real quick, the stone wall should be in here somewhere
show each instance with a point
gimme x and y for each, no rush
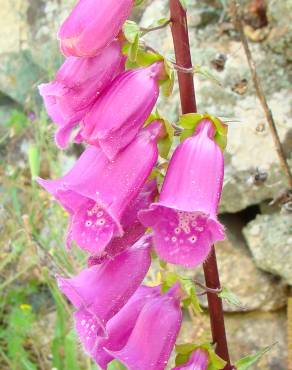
(255, 262)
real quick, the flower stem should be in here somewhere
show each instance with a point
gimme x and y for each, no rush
(180, 36)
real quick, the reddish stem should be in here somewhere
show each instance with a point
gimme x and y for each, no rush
(188, 104)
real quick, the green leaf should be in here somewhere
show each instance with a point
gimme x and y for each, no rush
(190, 289)
(131, 30)
(183, 4)
(133, 51)
(185, 348)
(164, 144)
(138, 2)
(70, 348)
(34, 161)
(167, 84)
(116, 365)
(181, 359)
(190, 120)
(247, 361)
(184, 352)
(230, 297)
(145, 58)
(204, 71)
(169, 279)
(215, 362)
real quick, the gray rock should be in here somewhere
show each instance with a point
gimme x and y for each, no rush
(269, 238)
(28, 45)
(250, 146)
(280, 37)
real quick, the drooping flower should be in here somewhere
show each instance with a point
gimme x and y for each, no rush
(96, 192)
(184, 219)
(198, 361)
(122, 109)
(100, 291)
(121, 325)
(92, 25)
(77, 85)
(133, 229)
(154, 335)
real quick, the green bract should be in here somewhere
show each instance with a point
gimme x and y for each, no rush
(184, 352)
(190, 121)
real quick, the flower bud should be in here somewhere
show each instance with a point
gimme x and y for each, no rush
(198, 361)
(92, 25)
(77, 86)
(120, 112)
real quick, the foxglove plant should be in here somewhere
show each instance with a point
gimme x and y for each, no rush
(100, 291)
(133, 229)
(120, 327)
(122, 109)
(154, 334)
(198, 361)
(77, 86)
(110, 192)
(184, 218)
(96, 206)
(92, 25)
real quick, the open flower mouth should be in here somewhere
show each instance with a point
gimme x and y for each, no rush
(92, 227)
(182, 237)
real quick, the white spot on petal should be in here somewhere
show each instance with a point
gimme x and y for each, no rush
(193, 239)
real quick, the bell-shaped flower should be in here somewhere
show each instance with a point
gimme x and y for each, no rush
(92, 25)
(153, 337)
(96, 192)
(77, 86)
(120, 112)
(133, 229)
(184, 219)
(100, 291)
(119, 328)
(198, 361)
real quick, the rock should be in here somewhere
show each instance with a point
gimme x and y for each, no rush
(28, 45)
(251, 134)
(19, 81)
(255, 289)
(269, 238)
(246, 334)
(280, 38)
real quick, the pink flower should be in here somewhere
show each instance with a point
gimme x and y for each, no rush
(122, 109)
(184, 219)
(153, 337)
(119, 328)
(92, 25)
(99, 292)
(133, 229)
(77, 86)
(198, 361)
(96, 192)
